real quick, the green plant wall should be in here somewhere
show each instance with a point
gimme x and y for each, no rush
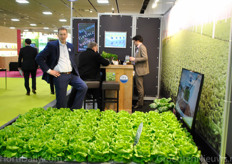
(196, 50)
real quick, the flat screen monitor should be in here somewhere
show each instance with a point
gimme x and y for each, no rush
(188, 96)
(86, 34)
(115, 39)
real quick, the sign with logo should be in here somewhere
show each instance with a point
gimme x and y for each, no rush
(124, 78)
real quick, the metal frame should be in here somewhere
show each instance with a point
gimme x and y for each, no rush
(227, 106)
(160, 57)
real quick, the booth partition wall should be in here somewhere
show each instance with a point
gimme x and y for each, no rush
(128, 25)
(149, 29)
(202, 45)
(84, 30)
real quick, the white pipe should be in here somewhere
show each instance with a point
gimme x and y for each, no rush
(71, 24)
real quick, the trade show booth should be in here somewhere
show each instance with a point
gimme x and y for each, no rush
(190, 84)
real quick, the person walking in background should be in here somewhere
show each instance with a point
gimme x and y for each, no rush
(27, 63)
(57, 63)
(89, 69)
(141, 67)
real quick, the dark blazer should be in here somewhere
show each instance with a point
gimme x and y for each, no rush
(26, 58)
(89, 64)
(49, 56)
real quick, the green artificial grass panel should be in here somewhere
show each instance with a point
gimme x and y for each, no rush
(14, 101)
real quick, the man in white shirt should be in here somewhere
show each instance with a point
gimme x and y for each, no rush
(58, 65)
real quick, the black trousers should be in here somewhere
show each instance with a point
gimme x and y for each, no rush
(26, 79)
(52, 87)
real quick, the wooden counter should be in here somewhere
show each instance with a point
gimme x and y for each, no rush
(126, 86)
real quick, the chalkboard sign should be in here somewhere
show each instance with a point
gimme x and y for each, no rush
(86, 33)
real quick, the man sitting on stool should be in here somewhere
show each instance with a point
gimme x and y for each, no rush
(89, 69)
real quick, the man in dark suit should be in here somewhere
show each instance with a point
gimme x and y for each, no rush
(141, 67)
(57, 63)
(89, 69)
(27, 63)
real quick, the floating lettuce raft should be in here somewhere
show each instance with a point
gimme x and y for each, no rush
(94, 136)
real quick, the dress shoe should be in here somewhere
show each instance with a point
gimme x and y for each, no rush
(33, 90)
(28, 93)
(137, 106)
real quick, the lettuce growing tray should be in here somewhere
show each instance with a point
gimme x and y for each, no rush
(91, 136)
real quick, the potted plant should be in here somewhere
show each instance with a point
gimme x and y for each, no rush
(109, 56)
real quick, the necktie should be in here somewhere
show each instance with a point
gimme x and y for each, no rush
(136, 49)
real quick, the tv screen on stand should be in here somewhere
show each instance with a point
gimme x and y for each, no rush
(115, 39)
(188, 96)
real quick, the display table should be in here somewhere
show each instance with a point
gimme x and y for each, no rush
(124, 75)
(5, 61)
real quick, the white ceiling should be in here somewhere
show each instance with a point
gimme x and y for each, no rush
(32, 12)
(163, 6)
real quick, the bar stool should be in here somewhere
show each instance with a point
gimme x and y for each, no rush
(110, 85)
(91, 85)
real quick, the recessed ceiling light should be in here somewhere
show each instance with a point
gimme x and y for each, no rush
(46, 28)
(33, 24)
(12, 27)
(22, 1)
(55, 30)
(62, 20)
(102, 1)
(90, 11)
(26, 30)
(47, 13)
(14, 19)
(154, 5)
(112, 8)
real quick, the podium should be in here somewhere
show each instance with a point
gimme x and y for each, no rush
(123, 75)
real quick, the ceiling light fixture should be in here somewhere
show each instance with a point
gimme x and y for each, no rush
(12, 27)
(15, 20)
(46, 28)
(112, 8)
(62, 20)
(22, 1)
(26, 30)
(72, 0)
(102, 1)
(47, 13)
(154, 5)
(32, 24)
